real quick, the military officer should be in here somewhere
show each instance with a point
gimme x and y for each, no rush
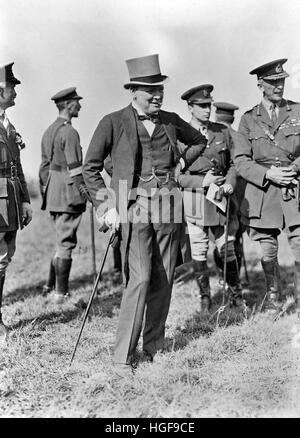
(269, 160)
(225, 114)
(141, 140)
(214, 166)
(15, 210)
(62, 186)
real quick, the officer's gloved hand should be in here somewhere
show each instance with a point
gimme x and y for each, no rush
(42, 189)
(110, 219)
(281, 175)
(210, 178)
(26, 213)
(177, 171)
(228, 189)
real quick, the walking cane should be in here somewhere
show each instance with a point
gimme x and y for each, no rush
(225, 254)
(111, 238)
(93, 241)
(244, 262)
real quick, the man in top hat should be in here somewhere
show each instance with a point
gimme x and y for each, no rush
(62, 187)
(225, 114)
(15, 210)
(141, 140)
(215, 166)
(268, 158)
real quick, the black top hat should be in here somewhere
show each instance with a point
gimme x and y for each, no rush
(199, 94)
(272, 70)
(6, 74)
(66, 94)
(144, 70)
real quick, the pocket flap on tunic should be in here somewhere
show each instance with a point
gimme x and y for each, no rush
(255, 135)
(3, 188)
(291, 131)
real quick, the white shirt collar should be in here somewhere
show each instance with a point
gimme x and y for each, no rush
(268, 105)
(195, 124)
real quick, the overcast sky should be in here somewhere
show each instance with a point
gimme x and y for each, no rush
(57, 44)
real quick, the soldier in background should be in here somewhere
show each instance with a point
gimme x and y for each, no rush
(214, 166)
(268, 158)
(62, 186)
(225, 114)
(15, 209)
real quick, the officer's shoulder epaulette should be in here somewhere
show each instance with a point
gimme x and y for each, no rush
(218, 126)
(254, 108)
(292, 106)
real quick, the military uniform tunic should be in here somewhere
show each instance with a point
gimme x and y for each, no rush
(13, 192)
(201, 214)
(60, 167)
(262, 146)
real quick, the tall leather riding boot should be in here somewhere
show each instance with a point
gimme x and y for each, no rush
(273, 284)
(297, 287)
(117, 258)
(202, 278)
(233, 280)
(51, 278)
(62, 273)
(3, 328)
(219, 264)
(238, 249)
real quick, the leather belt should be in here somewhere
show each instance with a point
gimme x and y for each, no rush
(277, 163)
(9, 172)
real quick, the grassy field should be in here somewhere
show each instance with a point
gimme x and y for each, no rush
(225, 365)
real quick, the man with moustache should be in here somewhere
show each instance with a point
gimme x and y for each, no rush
(268, 158)
(141, 140)
(213, 166)
(15, 209)
(63, 189)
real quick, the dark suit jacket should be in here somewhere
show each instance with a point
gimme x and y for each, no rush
(116, 135)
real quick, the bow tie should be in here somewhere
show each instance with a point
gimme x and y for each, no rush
(154, 118)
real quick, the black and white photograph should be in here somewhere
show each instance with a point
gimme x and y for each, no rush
(149, 211)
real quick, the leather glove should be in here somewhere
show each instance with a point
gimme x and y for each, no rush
(177, 171)
(110, 219)
(26, 213)
(228, 189)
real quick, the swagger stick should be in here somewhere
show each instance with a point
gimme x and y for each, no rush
(93, 242)
(244, 262)
(225, 253)
(111, 238)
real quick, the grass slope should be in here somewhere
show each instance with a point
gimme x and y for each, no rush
(225, 365)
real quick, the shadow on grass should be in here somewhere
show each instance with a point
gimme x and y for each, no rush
(108, 279)
(204, 325)
(101, 306)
